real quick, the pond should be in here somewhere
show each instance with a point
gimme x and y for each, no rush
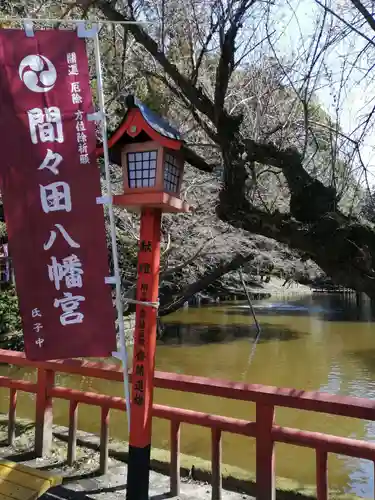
(318, 342)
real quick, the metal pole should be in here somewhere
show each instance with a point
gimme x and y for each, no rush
(119, 305)
(249, 302)
(255, 319)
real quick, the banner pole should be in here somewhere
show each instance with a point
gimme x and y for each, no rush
(119, 305)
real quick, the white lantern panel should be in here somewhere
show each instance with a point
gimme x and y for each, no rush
(142, 169)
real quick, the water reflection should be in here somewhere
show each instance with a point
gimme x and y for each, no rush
(312, 343)
(177, 335)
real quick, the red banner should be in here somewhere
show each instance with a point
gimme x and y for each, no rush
(50, 183)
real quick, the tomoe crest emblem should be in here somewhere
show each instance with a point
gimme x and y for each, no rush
(37, 73)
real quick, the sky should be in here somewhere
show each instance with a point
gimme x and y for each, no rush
(359, 94)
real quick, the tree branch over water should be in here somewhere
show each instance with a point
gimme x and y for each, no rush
(169, 305)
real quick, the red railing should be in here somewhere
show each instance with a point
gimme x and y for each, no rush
(264, 429)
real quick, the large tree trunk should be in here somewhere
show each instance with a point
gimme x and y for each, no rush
(342, 247)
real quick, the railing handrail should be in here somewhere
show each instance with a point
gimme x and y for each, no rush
(334, 444)
(347, 406)
(263, 428)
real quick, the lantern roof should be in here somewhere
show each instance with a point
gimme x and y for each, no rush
(141, 124)
(156, 122)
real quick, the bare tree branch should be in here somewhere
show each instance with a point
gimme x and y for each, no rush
(227, 57)
(365, 13)
(195, 95)
(207, 279)
(350, 26)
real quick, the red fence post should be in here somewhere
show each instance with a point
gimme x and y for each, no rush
(12, 416)
(265, 456)
(104, 438)
(216, 453)
(44, 417)
(321, 475)
(175, 459)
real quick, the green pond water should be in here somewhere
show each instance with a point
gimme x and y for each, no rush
(319, 342)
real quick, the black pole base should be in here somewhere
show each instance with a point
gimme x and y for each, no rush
(138, 473)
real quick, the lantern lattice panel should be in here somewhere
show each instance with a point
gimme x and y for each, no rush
(171, 174)
(142, 169)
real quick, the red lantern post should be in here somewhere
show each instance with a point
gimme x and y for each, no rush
(144, 355)
(149, 151)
